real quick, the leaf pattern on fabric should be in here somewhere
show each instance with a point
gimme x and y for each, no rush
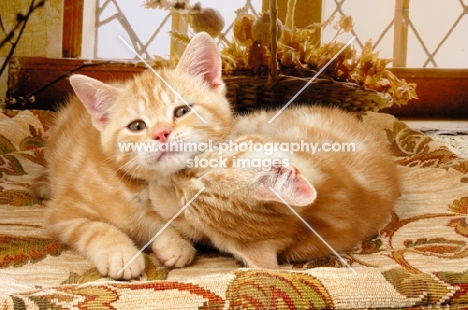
(428, 159)
(212, 300)
(460, 225)
(154, 272)
(414, 150)
(406, 141)
(460, 282)
(18, 198)
(114, 295)
(329, 261)
(10, 165)
(438, 247)
(462, 166)
(277, 290)
(36, 156)
(371, 246)
(87, 297)
(397, 223)
(89, 275)
(46, 118)
(34, 141)
(6, 147)
(10, 113)
(430, 290)
(460, 205)
(423, 249)
(19, 251)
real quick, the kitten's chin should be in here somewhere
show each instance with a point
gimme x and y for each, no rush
(168, 163)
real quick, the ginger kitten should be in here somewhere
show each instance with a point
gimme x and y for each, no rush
(345, 196)
(99, 202)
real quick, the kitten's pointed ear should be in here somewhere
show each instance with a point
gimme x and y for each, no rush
(288, 183)
(96, 96)
(202, 58)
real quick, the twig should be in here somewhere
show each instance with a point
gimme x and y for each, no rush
(22, 21)
(273, 43)
(290, 15)
(29, 97)
(8, 36)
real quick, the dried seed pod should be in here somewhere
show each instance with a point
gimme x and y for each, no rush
(261, 29)
(345, 23)
(157, 4)
(207, 20)
(400, 90)
(257, 53)
(165, 4)
(287, 36)
(287, 58)
(242, 28)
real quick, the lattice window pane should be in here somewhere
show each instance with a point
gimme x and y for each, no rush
(135, 24)
(437, 29)
(373, 19)
(438, 35)
(148, 29)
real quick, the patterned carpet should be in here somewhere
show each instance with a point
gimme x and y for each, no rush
(457, 144)
(454, 134)
(419, 259)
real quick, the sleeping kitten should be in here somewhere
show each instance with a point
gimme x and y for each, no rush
(345, 196)
(99, 193)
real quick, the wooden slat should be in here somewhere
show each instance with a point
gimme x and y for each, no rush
(72, 28)
(179, 24)
(442, 92)
(29, 75)
(307, 12)
(400, 37)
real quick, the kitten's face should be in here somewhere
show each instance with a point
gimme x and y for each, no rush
(149, 114)
(153, 124)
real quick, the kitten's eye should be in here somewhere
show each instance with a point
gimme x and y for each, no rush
(181, 111)
(137, 125)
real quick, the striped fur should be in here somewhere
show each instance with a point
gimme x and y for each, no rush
(99, 200)
(346, 197)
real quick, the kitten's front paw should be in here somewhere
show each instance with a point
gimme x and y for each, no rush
(111, 263)
(173, 250)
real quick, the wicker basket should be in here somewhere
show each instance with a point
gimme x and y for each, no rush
(248, 93)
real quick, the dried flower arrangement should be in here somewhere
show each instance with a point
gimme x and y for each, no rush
(362, 82)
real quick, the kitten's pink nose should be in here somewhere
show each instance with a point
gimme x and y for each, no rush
(161, 134)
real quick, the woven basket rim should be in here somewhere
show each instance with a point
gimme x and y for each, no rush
(250, 91)
(289, 79)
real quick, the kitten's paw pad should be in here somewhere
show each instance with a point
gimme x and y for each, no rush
(112, 263)
(173, 252)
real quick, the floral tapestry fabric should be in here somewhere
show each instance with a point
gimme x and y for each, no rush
(419, 259)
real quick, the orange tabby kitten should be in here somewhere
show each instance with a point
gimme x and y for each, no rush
(345, 193)
(99, 193)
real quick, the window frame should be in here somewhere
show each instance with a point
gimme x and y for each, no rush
(442, 92)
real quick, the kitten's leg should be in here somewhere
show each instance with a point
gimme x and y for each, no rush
(173, 250)
(256, 255)
(103, 244)
(170, 247)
